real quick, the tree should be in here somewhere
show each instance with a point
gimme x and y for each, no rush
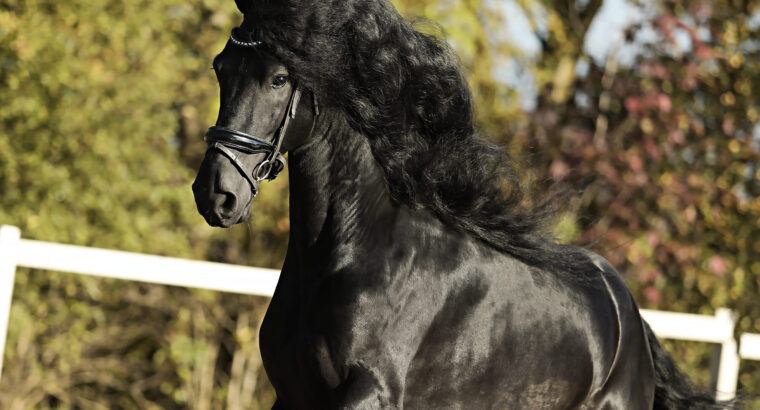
(664, 156)
(97, 148)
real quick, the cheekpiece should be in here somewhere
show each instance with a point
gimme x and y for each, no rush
(238, 42)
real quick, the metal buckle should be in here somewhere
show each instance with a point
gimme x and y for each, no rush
(262, 170)
(277, 167)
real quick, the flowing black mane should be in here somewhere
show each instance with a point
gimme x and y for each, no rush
(405, 91)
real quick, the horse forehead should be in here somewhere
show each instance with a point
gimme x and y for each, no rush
(244, 83)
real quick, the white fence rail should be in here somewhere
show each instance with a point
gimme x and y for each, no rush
(17, 252)
(718, 329)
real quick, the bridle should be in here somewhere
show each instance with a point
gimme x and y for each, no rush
(226, 140)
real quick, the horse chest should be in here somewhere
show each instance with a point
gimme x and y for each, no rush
(308, 335)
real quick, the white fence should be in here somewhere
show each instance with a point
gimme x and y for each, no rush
(15, 252)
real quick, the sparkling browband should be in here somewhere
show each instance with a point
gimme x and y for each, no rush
(251, 44)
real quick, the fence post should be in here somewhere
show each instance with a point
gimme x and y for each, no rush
(9, 239)
(728, 368)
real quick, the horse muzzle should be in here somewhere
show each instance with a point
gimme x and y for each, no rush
(222, 197)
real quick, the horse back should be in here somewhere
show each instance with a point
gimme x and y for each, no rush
(509, 335)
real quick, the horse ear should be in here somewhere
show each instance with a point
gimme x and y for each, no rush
(243, 5)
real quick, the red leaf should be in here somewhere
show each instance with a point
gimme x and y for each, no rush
(653, 294)
(559, 169)
(718, 265)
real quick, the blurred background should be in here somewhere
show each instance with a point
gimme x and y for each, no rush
(646, 110)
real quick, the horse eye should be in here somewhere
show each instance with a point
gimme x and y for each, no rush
(280, 81)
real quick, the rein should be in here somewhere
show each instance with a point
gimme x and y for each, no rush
(226, 140)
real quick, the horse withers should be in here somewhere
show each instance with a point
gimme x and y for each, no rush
(417, 275)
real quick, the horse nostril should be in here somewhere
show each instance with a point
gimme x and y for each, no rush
(228, 205)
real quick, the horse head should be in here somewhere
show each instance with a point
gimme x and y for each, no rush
(261, 116)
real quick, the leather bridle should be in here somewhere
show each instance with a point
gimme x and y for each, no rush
(226, 140)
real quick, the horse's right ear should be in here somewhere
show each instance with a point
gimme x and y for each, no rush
(243, 5)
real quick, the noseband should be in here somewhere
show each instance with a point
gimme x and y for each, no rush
(226, 140)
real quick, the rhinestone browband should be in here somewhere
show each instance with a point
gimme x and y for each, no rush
(241, 43)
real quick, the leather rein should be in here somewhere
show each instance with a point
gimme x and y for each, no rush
(226, 140)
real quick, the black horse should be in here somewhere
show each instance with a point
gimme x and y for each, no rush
(418, 273)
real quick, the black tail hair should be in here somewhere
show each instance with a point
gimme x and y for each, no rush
(673, 390)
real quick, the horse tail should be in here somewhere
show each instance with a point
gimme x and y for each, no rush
(673, 390)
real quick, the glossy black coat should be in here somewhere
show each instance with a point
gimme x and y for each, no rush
(383, 306)
(380, 306)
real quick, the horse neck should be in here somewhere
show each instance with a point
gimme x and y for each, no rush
(338, 195)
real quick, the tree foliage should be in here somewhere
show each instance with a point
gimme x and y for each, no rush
(663, 153)
(103, 108)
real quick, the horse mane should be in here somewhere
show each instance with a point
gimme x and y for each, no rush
(405, 91)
